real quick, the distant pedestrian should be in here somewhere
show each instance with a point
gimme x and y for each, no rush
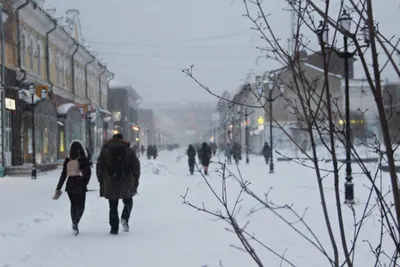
(118, 172)
(228, 153)
(76, 169)
(155, 152)
(266, 152)
(191, 153)
(205, 155)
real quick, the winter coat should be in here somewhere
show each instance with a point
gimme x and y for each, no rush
(123, 188)
(237, 151)
(155, 151)
(205, 155)
(228, 151)
(266, 150)
(191, 153)
(149, 151)
(76, 184)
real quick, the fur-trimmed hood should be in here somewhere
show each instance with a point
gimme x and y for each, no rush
(81, 144)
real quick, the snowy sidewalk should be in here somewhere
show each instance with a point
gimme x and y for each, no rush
(37, 230)
(21, 197)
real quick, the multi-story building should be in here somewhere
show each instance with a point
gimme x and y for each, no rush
(123, 101)
(50, 53)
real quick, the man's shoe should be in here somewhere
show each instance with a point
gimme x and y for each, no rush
(114, 232)
(125, 225)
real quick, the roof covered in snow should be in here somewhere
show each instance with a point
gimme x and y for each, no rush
(115, 84)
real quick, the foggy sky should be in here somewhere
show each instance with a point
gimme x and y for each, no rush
(148, 42)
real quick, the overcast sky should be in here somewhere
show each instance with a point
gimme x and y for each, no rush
(148, 42)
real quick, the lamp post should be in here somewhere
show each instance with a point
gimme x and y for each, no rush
(43, 96)
(239, 109)
(246, 115)
(270, 84)
(322, 32)
(89, 128)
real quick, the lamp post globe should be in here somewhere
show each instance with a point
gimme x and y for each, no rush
(345, 21)
(260, 90)
(43, 94)
(322, 32)
(31, 89)
(21, 94)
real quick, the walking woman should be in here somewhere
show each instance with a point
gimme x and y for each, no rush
(77, 172)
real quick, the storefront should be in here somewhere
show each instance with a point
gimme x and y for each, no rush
(108, 128)
(11, 119)
(70, 127)
(45, 126)
(13, 153)
(100, 129)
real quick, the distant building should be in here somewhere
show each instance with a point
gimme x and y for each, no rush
(123, 102)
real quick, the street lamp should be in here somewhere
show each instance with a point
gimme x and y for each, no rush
(270, 84)
(89, 127)
(322, 32)
(43, 96)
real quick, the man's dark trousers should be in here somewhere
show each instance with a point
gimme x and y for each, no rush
(126, 213)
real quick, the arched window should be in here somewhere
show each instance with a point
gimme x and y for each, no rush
(83, 81)
(31, 51)
(23, 49)
(67, 70)
(39, 57)
(76, 80)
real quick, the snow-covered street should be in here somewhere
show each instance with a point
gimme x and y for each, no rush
(36, 231)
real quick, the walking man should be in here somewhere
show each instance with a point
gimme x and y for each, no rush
(118, 172)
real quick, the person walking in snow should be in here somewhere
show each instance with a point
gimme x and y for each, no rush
(205, 155)
(228, 153)
(237, 152)
(266, 152)
(77, 172)
(149, 151)
(118, 172)
(191, 153)
(155, 152)
(142, 149)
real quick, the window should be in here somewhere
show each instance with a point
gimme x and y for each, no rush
(39, 58)
(63, 68)
(83, 81)
(58, 68)
(23, 49)
(31, 53)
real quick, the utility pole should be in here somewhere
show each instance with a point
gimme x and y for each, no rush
(246, 115)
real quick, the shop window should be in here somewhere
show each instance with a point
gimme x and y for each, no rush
(62, 144)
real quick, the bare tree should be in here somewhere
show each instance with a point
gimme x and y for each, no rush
(316, 106)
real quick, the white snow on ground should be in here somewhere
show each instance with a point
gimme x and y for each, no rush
(35, 230)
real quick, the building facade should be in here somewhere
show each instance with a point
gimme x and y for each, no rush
(50, 54)
(147, 127)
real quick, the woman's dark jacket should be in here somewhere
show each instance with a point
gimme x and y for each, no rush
(205, 155)
(76, 184)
